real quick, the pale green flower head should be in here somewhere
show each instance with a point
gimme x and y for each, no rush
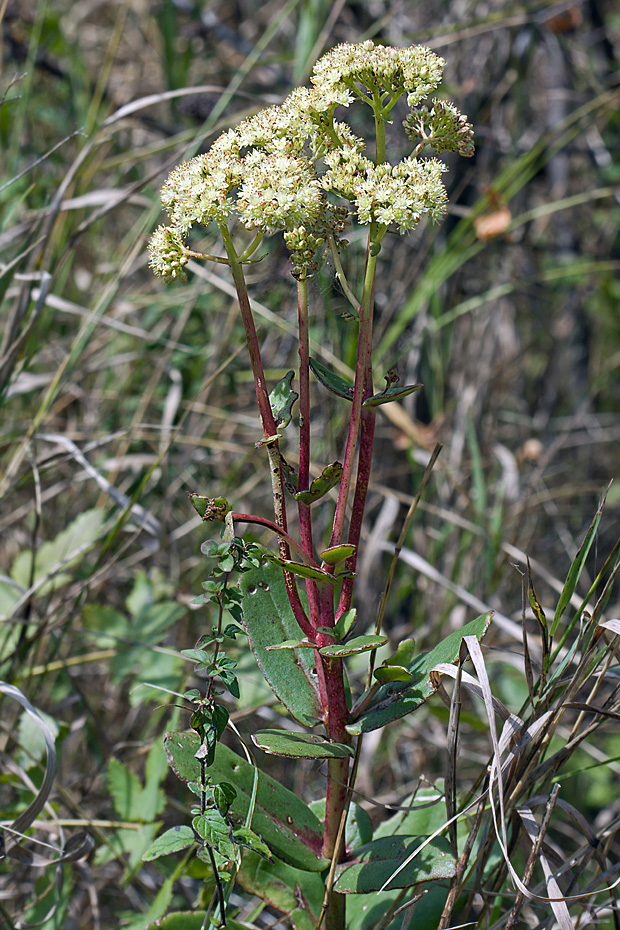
(198, 190)
(168, 255)
(281, 169)
(390, 195)
(415, 71)
(443, 127)
(278, 191)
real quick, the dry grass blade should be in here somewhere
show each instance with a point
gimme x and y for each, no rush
(26, 818)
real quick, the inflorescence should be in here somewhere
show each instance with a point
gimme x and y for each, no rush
(276, 170)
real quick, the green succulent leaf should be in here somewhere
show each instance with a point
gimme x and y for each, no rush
(302, 570)
(392, 673)
(354, 646)
(336, 554)
(329, 478)
(299, 745)
(395, 699)
(342, 627)
(391, 394)
(287, 825)
(334, 383)
(269, 621)
(375, 863)
(282, 399)
(299, 894)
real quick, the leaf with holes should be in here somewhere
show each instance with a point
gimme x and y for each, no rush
(329, 478)
(269, 621)
(287, 825)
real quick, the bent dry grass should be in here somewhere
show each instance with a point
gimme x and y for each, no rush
(132, 377)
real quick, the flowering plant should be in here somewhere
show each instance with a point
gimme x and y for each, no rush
(296, 169)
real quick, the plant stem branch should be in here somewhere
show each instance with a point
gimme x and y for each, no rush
(305, 517)
(266, 414)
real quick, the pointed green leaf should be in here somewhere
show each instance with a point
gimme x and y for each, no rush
(293, 644)
(282, 399)
(344, 623)
(376, 862)
(334, 383)
(575, 571)
(391, 394)
(280, 818)
(269, 621)
(250, 840)
(353, 646)
(215, 831)
(171, 841)
(299, 745)
(187, 920)
(329, 478)
(302, 570)
(396, 699)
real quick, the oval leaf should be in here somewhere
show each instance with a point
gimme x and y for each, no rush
(299, 745)
(280, 818)
(171, 841)
(336, 554)
(269, 621)
(376, 862)
(354, 646)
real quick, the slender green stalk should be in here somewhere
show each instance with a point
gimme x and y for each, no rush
(305, 517)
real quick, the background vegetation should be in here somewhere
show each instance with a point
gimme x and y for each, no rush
(118, 394)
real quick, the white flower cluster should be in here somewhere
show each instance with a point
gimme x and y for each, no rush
(416, 71)
(275, 170)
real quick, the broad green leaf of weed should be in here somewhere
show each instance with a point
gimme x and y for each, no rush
(52, 899)
(56, 554)
(132, 800)
(128, 845)
(157, 909)
(107, 623)
(31, 739)
(173, 840)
